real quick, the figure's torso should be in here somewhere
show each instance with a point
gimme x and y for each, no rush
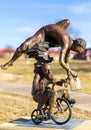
(57, 33)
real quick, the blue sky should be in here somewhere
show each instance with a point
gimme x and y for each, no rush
(20, 19)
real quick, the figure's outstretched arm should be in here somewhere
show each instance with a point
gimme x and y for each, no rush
(63, 61)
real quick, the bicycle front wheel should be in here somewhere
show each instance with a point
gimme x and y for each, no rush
(61, 112)
(36, 116)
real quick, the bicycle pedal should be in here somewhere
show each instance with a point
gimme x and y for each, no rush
(72, 101)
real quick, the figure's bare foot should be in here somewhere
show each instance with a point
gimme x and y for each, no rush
(5, 66)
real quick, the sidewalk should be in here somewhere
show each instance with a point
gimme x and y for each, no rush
(24, 123)
(86, 125)
(83, 101)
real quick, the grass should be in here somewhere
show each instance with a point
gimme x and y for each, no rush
(23, 73)
(13, 106)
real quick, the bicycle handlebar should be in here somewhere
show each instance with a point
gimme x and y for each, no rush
(59, 83)
(62, 82)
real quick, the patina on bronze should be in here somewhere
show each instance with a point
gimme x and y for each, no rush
(55, 35)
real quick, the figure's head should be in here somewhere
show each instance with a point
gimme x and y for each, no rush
(79, 45)
(45, 68)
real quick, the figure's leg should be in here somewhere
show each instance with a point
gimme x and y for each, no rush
(63, 23)
(51, 103)
(52, 99)
(29, 43)
(40, 104)
(38, 98)
(66, 95)
(43, 98)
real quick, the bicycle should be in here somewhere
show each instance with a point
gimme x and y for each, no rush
(62, 111)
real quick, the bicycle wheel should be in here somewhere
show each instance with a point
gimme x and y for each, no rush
(36, 116)
(61, 112)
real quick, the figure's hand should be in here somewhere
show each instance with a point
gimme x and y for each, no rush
(73, 73)
(60, 82)
(5, 66)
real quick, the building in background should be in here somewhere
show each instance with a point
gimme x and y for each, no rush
(54, 52)
(84, 56)
(6, 52)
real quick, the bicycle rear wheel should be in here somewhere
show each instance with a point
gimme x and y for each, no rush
(61, 112)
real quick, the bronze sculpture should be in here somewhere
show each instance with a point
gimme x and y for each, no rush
(55, 35)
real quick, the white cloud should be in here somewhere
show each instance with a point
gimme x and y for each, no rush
(26, 30)
(83, 8)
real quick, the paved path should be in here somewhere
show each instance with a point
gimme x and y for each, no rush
(83, 101)
(27, 123)
(24, 123)
(15, 88)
